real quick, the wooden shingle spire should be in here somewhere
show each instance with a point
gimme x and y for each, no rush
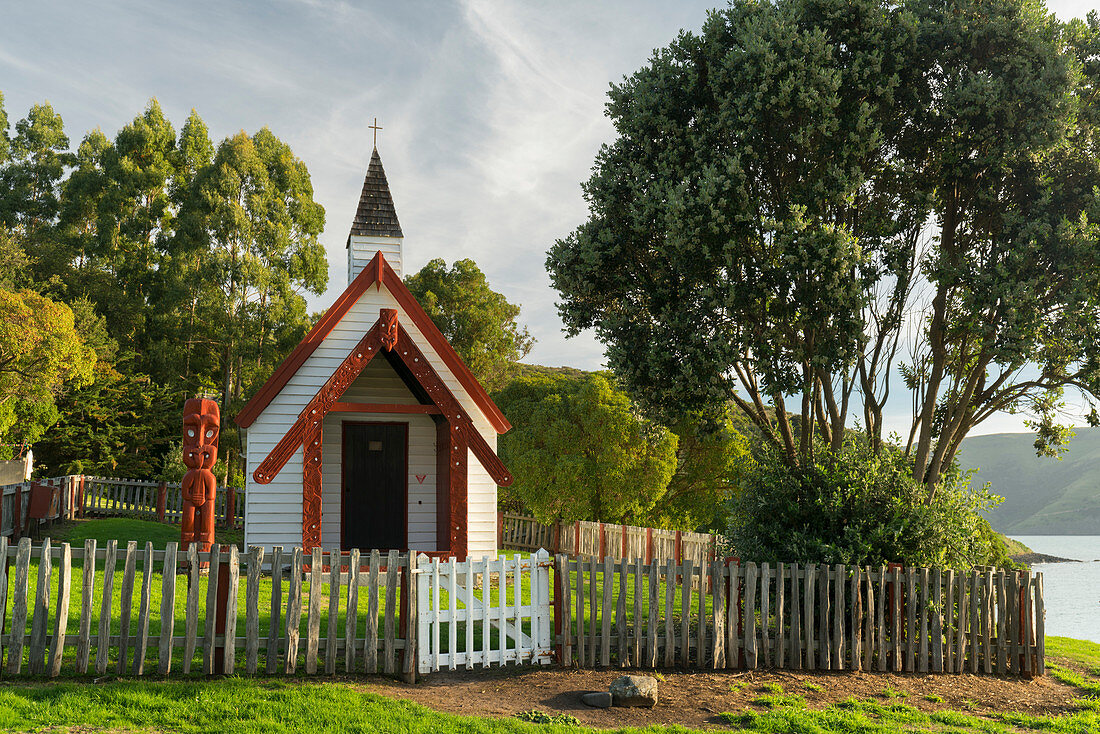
(375, 216)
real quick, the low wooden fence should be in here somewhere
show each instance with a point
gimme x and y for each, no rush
(801, 617)
(140, 610)
(599, 540)
(168, 624)
(18, 515)
(161, 501)
(81, 495)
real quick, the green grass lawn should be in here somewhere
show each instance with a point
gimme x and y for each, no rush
(239, 705)
(124, 528)
(230, 706)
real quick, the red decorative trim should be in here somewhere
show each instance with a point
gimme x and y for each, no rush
(444, 349)
(381, 273)
(311, 488)
(388, 320)
(384, 408)
(327, 397)
(324, 326)
(460, 421)
(321, 404)
(458, 495)
(442, 487)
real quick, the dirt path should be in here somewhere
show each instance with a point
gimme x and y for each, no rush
(695, 699)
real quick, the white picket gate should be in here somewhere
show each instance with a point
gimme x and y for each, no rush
(474, 612)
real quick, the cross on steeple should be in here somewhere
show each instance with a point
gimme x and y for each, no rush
(376, 127)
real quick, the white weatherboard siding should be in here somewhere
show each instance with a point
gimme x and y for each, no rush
(274, 515)
(361, 250)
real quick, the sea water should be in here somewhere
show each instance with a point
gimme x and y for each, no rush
(1072, 590)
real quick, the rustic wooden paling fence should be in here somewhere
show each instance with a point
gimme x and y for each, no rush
(81, 495)
(598, 540)
(161, 501)
(799, 617)
(279, 610)
(424, 615)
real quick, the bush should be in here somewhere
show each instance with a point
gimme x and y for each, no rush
(859, 508)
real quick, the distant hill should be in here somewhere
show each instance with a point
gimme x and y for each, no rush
(1042, 496)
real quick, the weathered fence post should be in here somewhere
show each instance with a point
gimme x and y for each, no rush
(222, 599)
(162, 500)
(230, 507)
(17, 514)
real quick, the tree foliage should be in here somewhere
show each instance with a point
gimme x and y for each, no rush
(579, 451)
(811, 197)
(859, 507)
(184, 264)
(711, 461)
(478, 322)
(40, 353)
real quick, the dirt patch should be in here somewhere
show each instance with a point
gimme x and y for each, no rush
(695, 699)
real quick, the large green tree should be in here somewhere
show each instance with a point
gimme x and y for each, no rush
(252, 222)
(479, 322)
(803, 187)
(579, 451)
(184, 272)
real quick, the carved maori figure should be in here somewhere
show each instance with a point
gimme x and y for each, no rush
(388, 319)
(201, 425)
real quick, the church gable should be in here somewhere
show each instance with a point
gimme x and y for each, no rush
(344, 324)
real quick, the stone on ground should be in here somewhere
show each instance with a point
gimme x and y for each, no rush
(635, 690)
(597, 699)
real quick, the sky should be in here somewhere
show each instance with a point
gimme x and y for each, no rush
(492, 111)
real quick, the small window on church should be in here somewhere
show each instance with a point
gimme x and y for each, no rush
(374, 446)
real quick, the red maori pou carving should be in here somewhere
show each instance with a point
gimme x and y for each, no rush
(387, 317)
(201, 425)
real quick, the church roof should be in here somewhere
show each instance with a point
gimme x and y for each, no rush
(375, 216)
(377, 272)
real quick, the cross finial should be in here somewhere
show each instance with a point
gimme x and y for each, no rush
(376, 128)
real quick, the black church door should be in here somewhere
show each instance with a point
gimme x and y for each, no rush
(375, 492)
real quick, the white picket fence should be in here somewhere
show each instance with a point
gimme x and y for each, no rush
(483, 612)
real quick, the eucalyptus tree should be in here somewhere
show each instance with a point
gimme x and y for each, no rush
(252, 220)
(811, 197)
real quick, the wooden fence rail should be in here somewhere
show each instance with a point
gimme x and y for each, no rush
(139, 610)
(80, 495)
(598, 540)
(135, 609)
(162, 501)
(801, 617)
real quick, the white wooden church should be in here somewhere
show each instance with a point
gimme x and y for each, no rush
(373, 433)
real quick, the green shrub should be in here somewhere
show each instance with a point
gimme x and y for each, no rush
(862, 508)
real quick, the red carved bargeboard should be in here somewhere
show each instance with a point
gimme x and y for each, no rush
(311, 489)
(314, 412)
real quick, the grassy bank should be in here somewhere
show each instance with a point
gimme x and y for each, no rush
(237, 705)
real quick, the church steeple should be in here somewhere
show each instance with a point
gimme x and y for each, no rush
(376, 216)
(375, 226)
